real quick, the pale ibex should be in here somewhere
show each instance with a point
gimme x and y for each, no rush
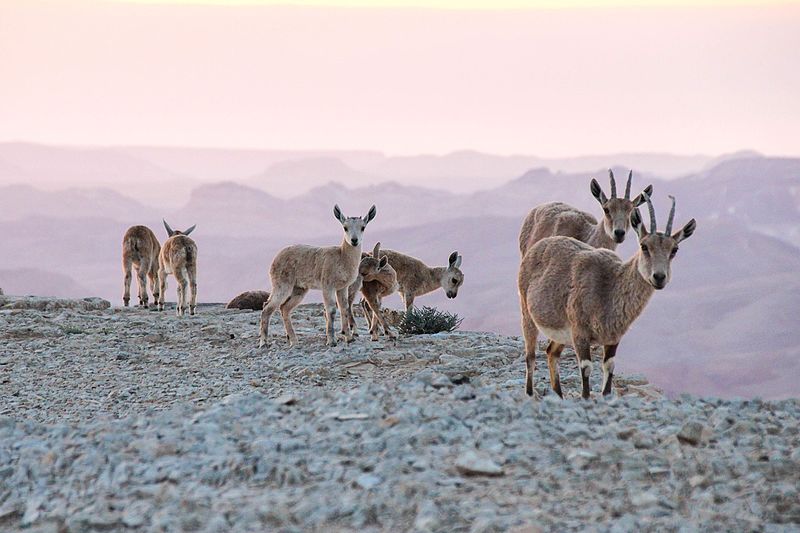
(140, 249)
(556, 218)
(179, 257)
(415, 278)
(332, 269)
(376, 280)
(579, 295)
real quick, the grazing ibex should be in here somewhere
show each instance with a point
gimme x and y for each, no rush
(578, 295)
(140, 249)
(376, 280)
(331, 269)
(415, 278)
(179, 257)
(556, 218)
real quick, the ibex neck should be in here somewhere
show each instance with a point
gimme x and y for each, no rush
(349, 251)
(434, 280)
(599, 238)
(633, 291)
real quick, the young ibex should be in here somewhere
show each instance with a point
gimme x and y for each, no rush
(376, 280)
(332, 269)
(178, 257)
(579, 295)
(415, 278)
(556, 218)
(140, 249)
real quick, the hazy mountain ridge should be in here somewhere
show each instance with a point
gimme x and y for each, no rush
(733, 287)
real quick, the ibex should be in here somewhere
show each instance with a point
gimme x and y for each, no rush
(179, 257)
(140, 249)
(332, 269)
(579, 295)
(376, 280)
(556, 218)
(415, 278)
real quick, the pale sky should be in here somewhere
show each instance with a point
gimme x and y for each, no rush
(531, 76)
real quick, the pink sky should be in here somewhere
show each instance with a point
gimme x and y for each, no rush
(545, 82)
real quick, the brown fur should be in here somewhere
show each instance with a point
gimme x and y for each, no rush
(253, 300)
(376, 280)
(415, 278)
(567, 284)
(179, 258)
(140, 249)
(557, 218)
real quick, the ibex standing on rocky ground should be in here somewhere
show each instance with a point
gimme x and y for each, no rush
(179, 257)
(331, 269)
(376, 280)
(579, 295)
(556, 218)
(140, 250)
(415, 278)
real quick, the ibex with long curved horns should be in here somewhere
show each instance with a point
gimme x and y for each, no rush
(579, 295)
(557, 218)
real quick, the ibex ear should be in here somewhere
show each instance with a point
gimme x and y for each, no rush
(372, 212)
(384, 261)
(188, 231)
(337, 213)
(637, 224)
(170, 231)
(458, 262)
(377, 250)
(685, 232)
(597, 192)
(639, 200)
(452, 259)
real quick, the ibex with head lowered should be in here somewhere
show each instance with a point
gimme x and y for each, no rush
(331, 269)
(556, 218)
(579, 295)
(179, 257)
(415, 278)
(140, 249)
(376, 280)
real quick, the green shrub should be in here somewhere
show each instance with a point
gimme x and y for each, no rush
(428, 320)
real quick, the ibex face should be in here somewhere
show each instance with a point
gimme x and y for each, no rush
(617, 211)
(452, 278)
(353, 226)
(371, 265)
(657, 250)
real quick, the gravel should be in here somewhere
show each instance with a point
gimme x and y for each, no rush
(140, 421)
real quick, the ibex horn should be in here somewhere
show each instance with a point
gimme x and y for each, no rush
(671, 216)
(628, 186)
(613, 183)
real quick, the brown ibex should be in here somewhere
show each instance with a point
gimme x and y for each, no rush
(179, 257)
(579, 295)
(415, 278)
(140, 249)
(556, 218)
(331, 269)
(376, 280)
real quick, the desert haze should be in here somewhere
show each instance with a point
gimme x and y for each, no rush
(726, 325)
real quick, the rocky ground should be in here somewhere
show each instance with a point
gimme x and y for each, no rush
(129, 419)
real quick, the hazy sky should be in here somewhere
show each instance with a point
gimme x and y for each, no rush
(595, 77)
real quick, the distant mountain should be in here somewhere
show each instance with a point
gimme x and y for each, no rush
(23, 200)
(55, 167)
(34, 281)
(282, 178)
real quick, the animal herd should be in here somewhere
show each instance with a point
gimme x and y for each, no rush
(573, 288)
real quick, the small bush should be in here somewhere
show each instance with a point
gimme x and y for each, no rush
(428, 320)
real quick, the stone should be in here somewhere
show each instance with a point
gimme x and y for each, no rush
(691, 433)
(474, 463)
